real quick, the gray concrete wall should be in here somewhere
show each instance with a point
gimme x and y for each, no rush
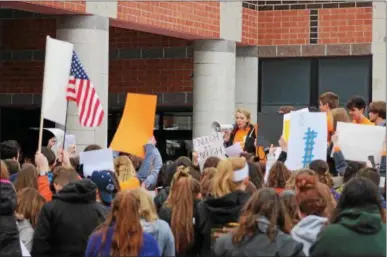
(246, 81)
(379, 66)
(90, 36)
(214, 84)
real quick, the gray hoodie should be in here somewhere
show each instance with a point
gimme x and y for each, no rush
(161, 231)
(307, 230)
(26, 233)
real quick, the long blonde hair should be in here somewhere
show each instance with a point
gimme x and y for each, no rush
(147, 206)
(222, 183)
(124, 168)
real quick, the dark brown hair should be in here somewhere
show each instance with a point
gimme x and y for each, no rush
(264, 203)
(322, 170)
(27, 177)
(181, 201)
(124, 217)
(64, 175)
(331, 99)
(211, 162)
(359, 192)
(13, 166)
(92, 147)
(309, 195)
(278, 176)
(286, 109)
(29, 204)
(378, 107)
(370, 173)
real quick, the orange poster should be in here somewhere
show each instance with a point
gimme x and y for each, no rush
(136, 125)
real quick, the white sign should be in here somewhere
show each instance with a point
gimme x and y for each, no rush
(208, 146)
(307, 140)
(358, 142)
(235, 150)
(56, 78)
(96, 160)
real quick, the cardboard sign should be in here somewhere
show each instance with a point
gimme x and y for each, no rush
(208, 146)
(136, 125)
(96, 160)
(308, 139)
(358, 142)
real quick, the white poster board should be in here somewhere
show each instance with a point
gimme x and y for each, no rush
(208, 146)
(234, 150)
(96, 160)
(357, 142)
(308, 140)
(286, 123)
(57, 66)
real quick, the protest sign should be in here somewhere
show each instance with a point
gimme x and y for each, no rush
(207, 146)
(359, 142)
(308, 139)
(96, 160)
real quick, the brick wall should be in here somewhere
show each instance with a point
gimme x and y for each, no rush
(22, 54)
(77, 6)
(283, 27)
(139, 62)
(149, 63)
(309, 28)
(250, 27)
(345, 25)
(197, 19)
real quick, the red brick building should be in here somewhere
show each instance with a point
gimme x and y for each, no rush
(202, 59)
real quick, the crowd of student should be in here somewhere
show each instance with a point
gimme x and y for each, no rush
(251, 205)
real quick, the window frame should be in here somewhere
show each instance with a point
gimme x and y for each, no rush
(314, 75)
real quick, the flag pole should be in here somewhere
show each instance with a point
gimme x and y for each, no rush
(65, 125)
(41, 130)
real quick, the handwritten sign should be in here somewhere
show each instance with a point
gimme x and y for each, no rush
(208, 146)
(308, 139)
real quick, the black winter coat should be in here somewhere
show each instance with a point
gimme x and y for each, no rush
(65, 224)
(217, 213)
(9, 233)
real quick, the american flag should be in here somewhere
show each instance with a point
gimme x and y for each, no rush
(81, 90)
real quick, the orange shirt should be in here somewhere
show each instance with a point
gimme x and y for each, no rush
(330, 125)
(131, 183)
(44, 187)
(364, 121)
(240, 136)
(330, 122)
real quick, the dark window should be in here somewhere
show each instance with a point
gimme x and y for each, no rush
(284, 82)
(345, 76)
(299, 81)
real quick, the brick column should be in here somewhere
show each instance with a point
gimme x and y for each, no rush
(246, 84)
(214, 84)
(90, 36)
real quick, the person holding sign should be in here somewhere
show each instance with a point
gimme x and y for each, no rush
(244, 133)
